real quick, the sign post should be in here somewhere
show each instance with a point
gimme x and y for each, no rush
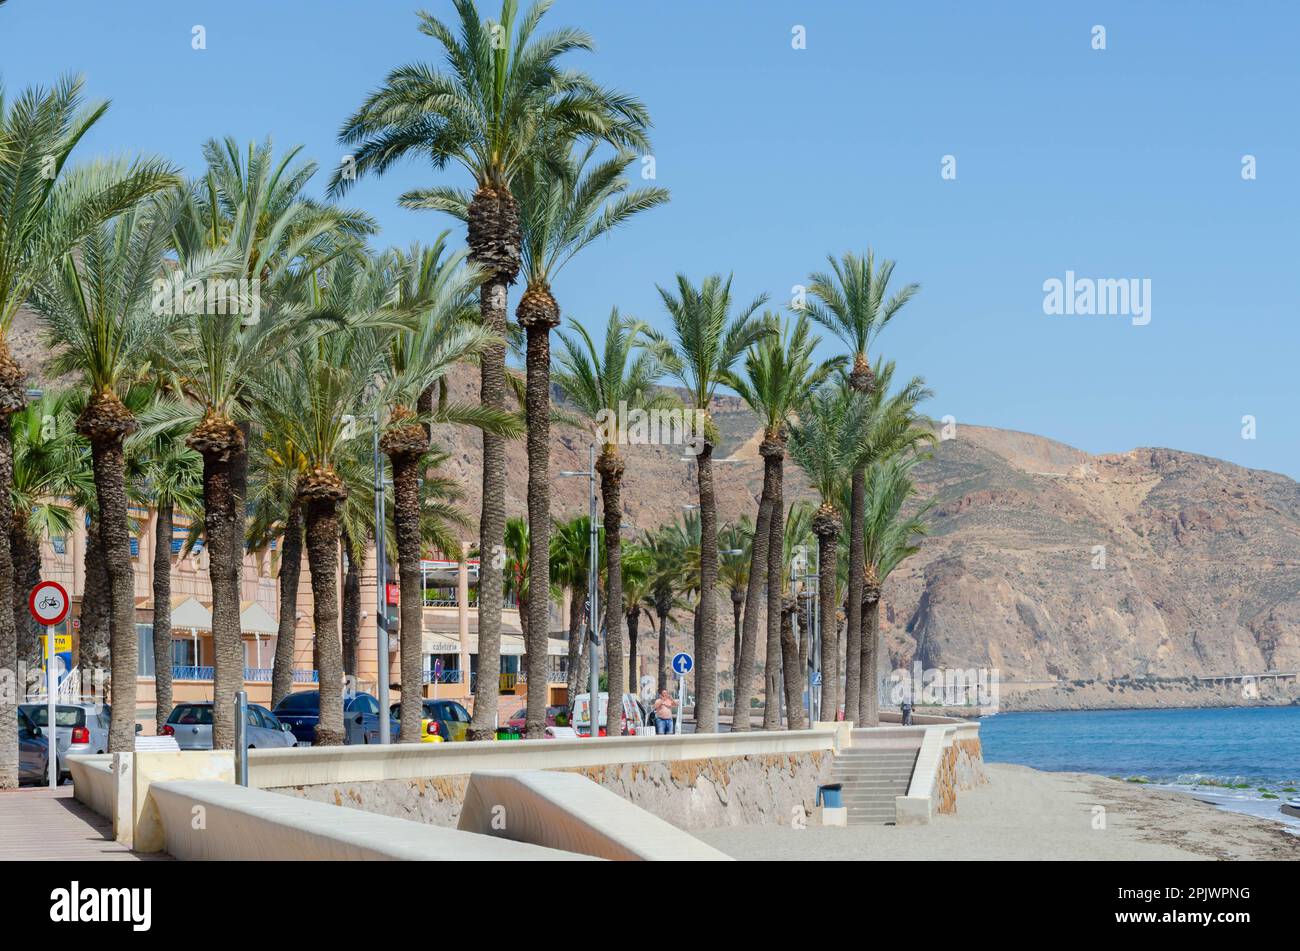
(48, 604)
(682, 664)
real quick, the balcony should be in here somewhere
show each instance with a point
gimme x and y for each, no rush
(251, 675)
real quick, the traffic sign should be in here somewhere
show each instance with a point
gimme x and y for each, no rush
(48, 603)
(682, 663)
(817, 678)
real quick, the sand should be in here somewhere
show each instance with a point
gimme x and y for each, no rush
(1024, 814)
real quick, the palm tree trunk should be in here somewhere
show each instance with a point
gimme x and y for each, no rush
(323, 561)
(286, 630)
(225, 477)
(706, 649)
(610, 467)
(753, 600)
(737, 608)
(573, 683)
(94, 609)
(109, 462)
(633, 624)
(662, 676)
(853, 610)
(162, 614)
(492, 519)
(869, 714)
(793, 673)
(805, 624)
(772, 456)
(351, 612)
(826, 526)
(8, 633)
(406, 525)
(537, 404)
(26, 551)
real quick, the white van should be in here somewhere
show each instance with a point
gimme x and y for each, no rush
(633, 714)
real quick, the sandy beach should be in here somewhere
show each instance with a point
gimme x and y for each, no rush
(1024, 814)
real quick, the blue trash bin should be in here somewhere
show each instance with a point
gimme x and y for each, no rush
(829, 796)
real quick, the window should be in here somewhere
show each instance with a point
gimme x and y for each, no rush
(306, 700)
(186, 652)
(192, 714)
(135, 548)
(144, 650)
(63, 716)
(60, 544)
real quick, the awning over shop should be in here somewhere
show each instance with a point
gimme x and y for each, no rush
(189, 613)
(255, 619)
(439, 642)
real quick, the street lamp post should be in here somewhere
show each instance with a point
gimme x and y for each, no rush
(381, 593)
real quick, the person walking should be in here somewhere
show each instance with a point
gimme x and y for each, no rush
(663, 709)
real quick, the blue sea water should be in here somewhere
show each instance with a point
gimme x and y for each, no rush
(1237, 757)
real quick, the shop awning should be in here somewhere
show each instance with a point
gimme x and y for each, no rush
(255, 619)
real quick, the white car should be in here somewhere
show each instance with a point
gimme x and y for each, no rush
(633, 714)
(81, 728)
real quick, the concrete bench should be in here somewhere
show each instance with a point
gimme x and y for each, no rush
(156, 744)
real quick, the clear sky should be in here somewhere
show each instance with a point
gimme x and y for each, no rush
(1116, 163)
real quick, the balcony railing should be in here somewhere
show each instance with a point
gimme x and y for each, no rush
(257, 675)
(442, 677)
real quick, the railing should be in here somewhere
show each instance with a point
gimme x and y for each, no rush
(256, 675)
(554, 675)
(508, 681)
(306, 676)
(191, 673)
(446, 602)
(442, 677)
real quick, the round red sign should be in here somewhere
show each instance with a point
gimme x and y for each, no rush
(49, 603)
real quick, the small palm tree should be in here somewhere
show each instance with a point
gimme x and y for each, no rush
(516, 572)
(46, 209)
(778, 374)
(853, 302)
(823, 444)
(597, 381)
(637, 564)
(96, 307)
(667, 576)
(735, 554)
(501, 106)
(570, 566)
(709, 338)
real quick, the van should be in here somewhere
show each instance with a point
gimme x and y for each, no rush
(633, 714)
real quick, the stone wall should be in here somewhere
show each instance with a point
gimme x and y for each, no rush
(764, 789)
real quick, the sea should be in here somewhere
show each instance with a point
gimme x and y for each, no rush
(1244, 759)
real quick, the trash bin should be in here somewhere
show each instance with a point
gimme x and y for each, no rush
(504, 734)
(829, 796)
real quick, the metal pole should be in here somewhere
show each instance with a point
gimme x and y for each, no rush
(381, 599)
(51, 685)
(593, 595)
(241, 737)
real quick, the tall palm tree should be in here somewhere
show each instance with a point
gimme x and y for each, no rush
(570, 560)
(96, 306)
(853, 302)
(735, 540)
(46, 209)
(891, 539)
(502, 104)
(709, 338)
(778, 374)
(597, 381)
(823, 444)
(798, 535)
(564, 207)
(517, 576)
(173, 476)
(637, 564)
(435, 290)
(249, 218)
(51, 466)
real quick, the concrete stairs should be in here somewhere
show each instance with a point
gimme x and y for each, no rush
(870, 779)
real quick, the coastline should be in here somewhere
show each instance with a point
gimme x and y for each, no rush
(1139, 695)
(1023, 814)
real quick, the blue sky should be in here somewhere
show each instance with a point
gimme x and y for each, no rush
(1122, 163)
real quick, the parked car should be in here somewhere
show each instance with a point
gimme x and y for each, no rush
(301, 711)
(443, 721)
(79, 728)
(631, 714)
(33, 751)
(191, 725)
(555, 716)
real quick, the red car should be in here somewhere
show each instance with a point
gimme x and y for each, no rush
(517, 721)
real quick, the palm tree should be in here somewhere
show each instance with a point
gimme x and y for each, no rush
(51, 465)
(852, 303)
(436, 290)
(96, 307)
(570, 560)
(504, 103)
(563, 209)
(638, 575)
(823, 443)
(596, 381)
(709, 339)
(173, 476)
(891, 539)
(249, 219)
(736, 540)
(46, 209)
(798, 535)
(777, 377)
(517, 576)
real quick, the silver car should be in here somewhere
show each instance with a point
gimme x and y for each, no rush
(81, 728)
(191, 725)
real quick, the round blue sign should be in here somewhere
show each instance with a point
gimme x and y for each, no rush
(682, 663)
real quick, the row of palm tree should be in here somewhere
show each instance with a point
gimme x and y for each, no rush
(270, 405)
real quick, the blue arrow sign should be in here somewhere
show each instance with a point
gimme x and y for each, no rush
(817, 678)
(682, 663)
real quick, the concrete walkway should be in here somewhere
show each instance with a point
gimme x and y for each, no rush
(44, 824)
